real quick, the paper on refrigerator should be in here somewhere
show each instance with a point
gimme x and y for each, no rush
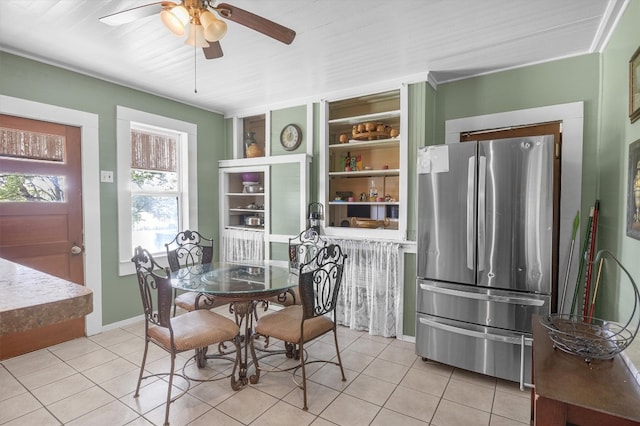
(433, 159)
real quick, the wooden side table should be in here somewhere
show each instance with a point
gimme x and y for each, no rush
(568, 390)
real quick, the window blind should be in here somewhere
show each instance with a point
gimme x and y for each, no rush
(152, 151)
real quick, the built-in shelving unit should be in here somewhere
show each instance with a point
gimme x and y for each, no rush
(366, 166)
(244, 197)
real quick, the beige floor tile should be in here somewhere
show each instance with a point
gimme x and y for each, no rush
(140, 421)
(9, 386)
(31, 363)
(44, 377)
(390, 418)
(153, 354)
(512, 407)
(370, 389)
(433, 367)
(112, 414)
(386, 370)
(74, 348)
(276, 384)
(451, 414)
(329, 375)
(318, 397)
(247, 404)
(284, 414)
(513, 388)
(475, 378)
(124, 384)
(469, 394)
(40, 417)
(381, 339)
(181, 412)
(62, 389)
(350, 411)
(106, 371)
(321, 350)
(92, 359)
(427, 382)
(134, 344)
(319, 421)
(503, 421)
(404, 344)
(367, 347)
(215, 417)
(387, 384)
(80, 404)
(213, 393)
(412, 403)
(110, 338)
(152, 395)
(17, 406)
(398, 355)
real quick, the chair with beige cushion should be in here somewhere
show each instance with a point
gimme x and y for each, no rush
(318, 284)
(191, 249)
(194, 330)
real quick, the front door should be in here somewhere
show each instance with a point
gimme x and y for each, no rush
(41, 206)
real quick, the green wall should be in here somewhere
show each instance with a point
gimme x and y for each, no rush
(27, 79)
(616, 133)
(598, 80)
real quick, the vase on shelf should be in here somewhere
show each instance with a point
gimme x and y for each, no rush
(251, 148)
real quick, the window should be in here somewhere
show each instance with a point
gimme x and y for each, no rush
(44, 151)
(157, 194)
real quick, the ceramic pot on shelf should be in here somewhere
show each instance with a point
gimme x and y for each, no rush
(251, 148)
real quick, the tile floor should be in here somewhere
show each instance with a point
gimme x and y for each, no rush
(90, 381)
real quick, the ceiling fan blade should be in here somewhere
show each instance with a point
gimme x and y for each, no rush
(255, 22)
(213, 51)
(130, 15)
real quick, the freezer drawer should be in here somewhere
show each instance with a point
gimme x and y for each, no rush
(488, 307)
(485, 350)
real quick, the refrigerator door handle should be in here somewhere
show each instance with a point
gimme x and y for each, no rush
(482, 185)
(471, 177)
(483, 296)
(514, 340)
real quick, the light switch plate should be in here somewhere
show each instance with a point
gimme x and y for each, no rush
(106, 176)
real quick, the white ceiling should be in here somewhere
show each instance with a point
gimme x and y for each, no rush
(341, 45)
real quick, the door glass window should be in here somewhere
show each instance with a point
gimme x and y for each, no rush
(20, 146)
(29, 188)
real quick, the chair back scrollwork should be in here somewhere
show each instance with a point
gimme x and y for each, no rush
(189, 249)
(320, 281)
(153, 278)
(303, 248)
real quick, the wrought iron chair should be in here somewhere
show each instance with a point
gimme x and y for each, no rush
(190, 249)
(302, 248)
(193, 330)
(319, 284)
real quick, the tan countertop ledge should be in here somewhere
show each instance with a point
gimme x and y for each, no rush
(30, 299)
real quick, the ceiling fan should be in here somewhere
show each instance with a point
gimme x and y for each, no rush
(204, 28)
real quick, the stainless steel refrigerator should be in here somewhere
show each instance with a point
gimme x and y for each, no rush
(484, 252)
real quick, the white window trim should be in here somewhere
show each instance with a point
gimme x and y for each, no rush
(126, 116)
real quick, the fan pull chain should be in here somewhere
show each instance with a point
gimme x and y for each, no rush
(195, 70)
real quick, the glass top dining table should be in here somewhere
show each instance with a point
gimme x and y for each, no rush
(246, 285)
(237, 280)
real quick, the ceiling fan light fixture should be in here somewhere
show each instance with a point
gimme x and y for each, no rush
(175, 19)
(196, 36)
(214, 28)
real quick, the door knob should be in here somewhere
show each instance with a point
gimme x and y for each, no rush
(75, 250)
